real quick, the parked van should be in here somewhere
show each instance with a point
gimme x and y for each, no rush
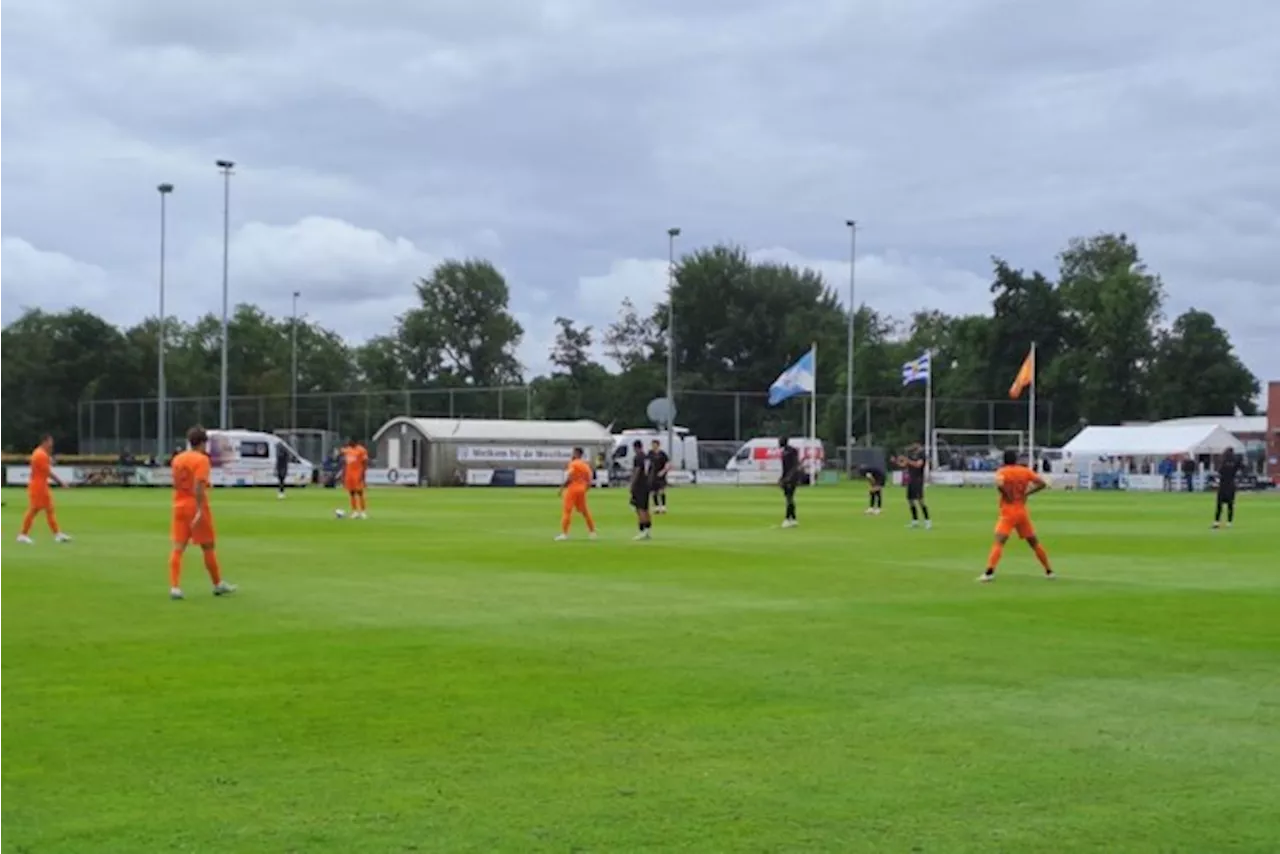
(683, 458)
(248, 458)
(764, 455)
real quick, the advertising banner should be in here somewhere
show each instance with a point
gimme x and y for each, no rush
(391, 477)
(515, 454)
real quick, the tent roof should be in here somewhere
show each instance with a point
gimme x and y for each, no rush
(1151, 440)
(1231, 423)
(502, 430)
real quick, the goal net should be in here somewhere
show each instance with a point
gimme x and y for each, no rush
(973, 450)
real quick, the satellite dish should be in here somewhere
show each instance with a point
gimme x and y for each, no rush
(661, 411)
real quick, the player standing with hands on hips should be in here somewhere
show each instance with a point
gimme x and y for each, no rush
(1227, 471)
(791, 474)
(913, 469)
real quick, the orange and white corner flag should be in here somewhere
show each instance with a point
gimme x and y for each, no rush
(1026, 375)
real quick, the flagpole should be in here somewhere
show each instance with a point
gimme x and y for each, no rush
(928, 410)
(813, 408)
(1031, 413)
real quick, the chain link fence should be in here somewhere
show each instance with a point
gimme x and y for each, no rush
(114, 426)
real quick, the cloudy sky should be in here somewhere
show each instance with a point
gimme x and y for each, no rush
(561, 138)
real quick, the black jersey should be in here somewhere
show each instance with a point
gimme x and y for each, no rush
(658, 462)
(1227, 473)
(915, 468)
(790, 466)
(875, 476)
(640, 471)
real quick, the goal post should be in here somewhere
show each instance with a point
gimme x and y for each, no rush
(949, 443)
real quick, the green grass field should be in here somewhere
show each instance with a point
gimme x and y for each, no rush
(445, 678)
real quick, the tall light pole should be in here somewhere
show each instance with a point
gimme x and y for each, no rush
(225, 166)
(293, 395)
(852, 225)
(162, 397)
(672, 234)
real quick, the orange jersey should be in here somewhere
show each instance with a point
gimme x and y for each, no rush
(190, 468)
(41, 468)
(355, 460)
(1013, 483)
(579, 476)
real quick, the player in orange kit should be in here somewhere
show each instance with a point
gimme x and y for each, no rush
(1016, 483)
(39, 496)
(577, 480)
(355, 464)
(192, 516)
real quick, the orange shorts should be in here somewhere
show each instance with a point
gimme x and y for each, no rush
(354, 485)
(1015, 521)
(40, 499)
(576, 500)
(184, 530)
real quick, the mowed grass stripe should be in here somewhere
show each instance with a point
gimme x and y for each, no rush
(443, 677)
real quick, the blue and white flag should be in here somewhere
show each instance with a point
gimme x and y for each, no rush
(916, 371)
(794, 381)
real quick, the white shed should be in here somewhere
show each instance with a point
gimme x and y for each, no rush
(441, 449)
(1152, 440)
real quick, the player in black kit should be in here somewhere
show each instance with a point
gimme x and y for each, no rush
(659, 468)
(282, 470)
(641, 480)
(913, 471)
(790, 480)
(875, 489)
(1227, 471)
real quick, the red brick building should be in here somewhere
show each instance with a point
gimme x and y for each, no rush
(1273, 431)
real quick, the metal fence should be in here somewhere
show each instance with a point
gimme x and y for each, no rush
(113, 426)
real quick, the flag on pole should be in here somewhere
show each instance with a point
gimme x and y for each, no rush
(795, 380)
(916, 371)
(1026, 376)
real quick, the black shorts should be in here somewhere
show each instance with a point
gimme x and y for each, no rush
(659, 484)
(915, 491)
(1227, 497)
(640, 498)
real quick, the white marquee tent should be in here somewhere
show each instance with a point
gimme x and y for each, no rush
(1152, 440)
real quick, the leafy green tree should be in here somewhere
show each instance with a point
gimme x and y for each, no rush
(1113, 305)
(463, 329)
(1196, 371)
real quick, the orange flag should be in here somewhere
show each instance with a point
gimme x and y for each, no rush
(1026, 376)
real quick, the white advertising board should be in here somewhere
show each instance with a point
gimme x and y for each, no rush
(391, 477)
(514, 454)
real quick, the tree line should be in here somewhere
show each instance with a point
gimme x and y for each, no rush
(1106, 353)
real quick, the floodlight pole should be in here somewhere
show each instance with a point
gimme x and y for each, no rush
(672, 234)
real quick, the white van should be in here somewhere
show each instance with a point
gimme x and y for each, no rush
(683, 458)
(248, 458)
(764, 455)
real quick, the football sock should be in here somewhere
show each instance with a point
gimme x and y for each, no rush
(564, 522)
(915, 514)
(924, 508)
(1042, 556)
(211, 566)
(993, 559)
(27, 520)
(175, 568)
(591, 523)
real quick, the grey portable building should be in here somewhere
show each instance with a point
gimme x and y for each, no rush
(442, 449)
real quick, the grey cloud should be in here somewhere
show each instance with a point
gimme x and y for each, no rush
(563, 137)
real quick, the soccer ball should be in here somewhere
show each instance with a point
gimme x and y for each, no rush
(338, 514)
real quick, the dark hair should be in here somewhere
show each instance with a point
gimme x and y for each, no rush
(782, 441)
(46, 437)
(638, 445)
(1010, 457)
(577, 452)
(197, 436)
